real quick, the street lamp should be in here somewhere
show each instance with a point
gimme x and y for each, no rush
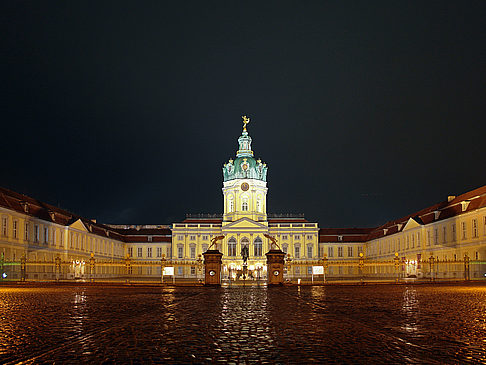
(162, 267)
(396, 259)
(288, 265)
(199, 264)
(361, 265)
(325, 264)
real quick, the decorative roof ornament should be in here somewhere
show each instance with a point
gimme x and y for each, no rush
(245, 166)
(245, 122)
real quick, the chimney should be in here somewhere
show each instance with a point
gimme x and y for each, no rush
(451, 198)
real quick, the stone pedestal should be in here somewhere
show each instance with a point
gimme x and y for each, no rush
(212, 267)
(275, 267)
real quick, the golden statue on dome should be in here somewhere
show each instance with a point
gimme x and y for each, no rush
(245, 122)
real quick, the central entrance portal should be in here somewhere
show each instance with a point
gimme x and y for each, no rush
(237, 271)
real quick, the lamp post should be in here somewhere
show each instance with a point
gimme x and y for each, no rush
(361, 266)
(325, 264)
(466, 267)
(199, 265)
(396, 259)
(92, 267)
(127, 268)
(162, 267)
(22, 267)
(288, 264)
(58, 267)
(431, 263)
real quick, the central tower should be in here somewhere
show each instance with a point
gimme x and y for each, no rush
(245, 183)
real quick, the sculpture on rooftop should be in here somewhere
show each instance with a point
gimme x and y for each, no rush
(245, 122)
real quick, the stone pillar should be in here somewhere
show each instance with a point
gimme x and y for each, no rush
(275, 267)
(212, 267)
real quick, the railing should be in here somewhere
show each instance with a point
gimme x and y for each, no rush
(192, 270)
(204, 215)
(285, 215)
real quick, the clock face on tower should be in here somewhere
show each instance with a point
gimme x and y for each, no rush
(245, 186)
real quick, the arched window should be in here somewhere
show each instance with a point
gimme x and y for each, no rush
(259, 204)
(245, 242)
(231, 204)
(258, 246)
(244, 202)
(232, 247)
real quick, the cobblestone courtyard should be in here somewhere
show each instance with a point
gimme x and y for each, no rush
(337, 324)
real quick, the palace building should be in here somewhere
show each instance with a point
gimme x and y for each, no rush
(436, 241)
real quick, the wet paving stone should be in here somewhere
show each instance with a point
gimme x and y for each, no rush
(243, 325)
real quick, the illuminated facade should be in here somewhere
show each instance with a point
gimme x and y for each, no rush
(447, 232)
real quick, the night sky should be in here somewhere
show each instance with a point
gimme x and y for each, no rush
(126, 111)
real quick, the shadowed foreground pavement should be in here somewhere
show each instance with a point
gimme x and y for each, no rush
(359, 324)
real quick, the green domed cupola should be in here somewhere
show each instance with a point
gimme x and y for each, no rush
(245, 166)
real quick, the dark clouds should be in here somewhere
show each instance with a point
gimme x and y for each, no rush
(126, 112)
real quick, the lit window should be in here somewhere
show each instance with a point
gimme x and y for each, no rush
(130, 251)
(413, 240)
(418, 239)
(192, 238)
(180, 270)
(309, 251)
(258, 205)
(4, 226)
(36, 233)
(464, 233)
(309, 236)
(159, 251)
(205, 238)
(46, 235)
(330, 251)
(340, 252)
(284, 237)
(180, 252)
(139, 252)
(309, 270)
(285, 248)
(297, 252)
(168, 252)
(26, 232)
(232, 247)
(15, 229)
(204, 247)
(297, 237)
(436, 236)
(244, 206)
(444, 233)
(193, 270)
(193, 252)
(180, 237)
(258, 246)
(149, 251)
(453, 231)
(350, 251)
(231, 204)
(475, 227)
